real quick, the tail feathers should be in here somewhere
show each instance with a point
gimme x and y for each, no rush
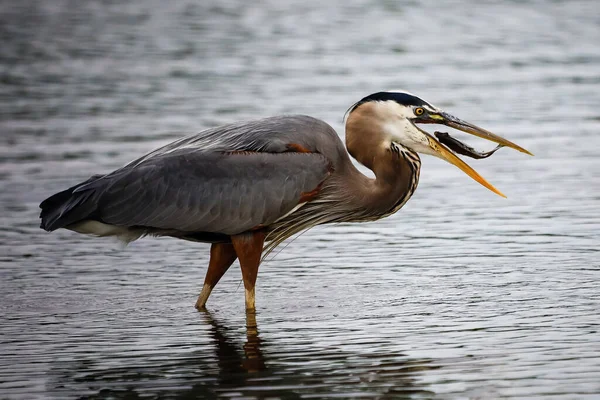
(69, 206)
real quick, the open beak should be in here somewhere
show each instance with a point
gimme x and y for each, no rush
(451, 121)
(446, 154)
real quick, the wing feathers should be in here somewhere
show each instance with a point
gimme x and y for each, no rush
(222, 180)
(196, 191)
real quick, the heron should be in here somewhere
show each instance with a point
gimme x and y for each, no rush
(246, 187)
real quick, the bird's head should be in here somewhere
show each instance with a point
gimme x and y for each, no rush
(397, 115)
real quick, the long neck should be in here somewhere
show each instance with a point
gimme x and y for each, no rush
(396, 170)
(350, 196)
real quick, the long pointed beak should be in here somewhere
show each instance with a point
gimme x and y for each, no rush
(446, 154)
(443, 152)
(467, 127)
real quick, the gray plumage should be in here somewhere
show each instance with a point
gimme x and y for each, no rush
(247, 187)
(222, 181)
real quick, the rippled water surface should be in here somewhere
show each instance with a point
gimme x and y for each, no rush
(460, 295)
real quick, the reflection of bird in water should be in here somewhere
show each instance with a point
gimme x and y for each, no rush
(227, 354)
(254, 358)
(243, 185)
(291, 367)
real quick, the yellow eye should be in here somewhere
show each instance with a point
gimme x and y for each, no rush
(419, 111)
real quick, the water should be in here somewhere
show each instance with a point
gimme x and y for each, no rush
(460, 295)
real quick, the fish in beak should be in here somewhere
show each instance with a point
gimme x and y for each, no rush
(445, 146)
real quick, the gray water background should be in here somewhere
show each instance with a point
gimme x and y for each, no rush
(460, 295)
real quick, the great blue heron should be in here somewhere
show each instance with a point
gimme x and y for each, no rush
(243, 185)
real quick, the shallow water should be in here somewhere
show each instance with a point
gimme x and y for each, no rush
(460, 295)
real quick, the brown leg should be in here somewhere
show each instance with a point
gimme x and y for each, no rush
(248, 247)
(222, 255)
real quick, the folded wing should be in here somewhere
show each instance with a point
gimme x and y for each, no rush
(188, 190)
